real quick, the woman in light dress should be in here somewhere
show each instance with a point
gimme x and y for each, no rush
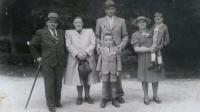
(80, 43)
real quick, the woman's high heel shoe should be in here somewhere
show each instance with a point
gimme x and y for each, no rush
(157, 100)
(146, 101)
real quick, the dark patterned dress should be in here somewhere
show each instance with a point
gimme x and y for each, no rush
(144, 59)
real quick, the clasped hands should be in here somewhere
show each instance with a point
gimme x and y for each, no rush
(82, 55)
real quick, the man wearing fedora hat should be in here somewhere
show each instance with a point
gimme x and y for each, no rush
(48, 48)
(117, 27)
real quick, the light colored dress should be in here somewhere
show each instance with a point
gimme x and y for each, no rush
(75, 42)
(144, 59)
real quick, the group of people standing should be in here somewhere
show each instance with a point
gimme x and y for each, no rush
(50, 47)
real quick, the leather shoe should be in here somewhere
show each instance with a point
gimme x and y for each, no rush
(146, 101)
(115, 103)
(120, 99)
(52, 109)
(59, 105)
(79, 101)
(157, 100)
(103, 103)
(89, 100)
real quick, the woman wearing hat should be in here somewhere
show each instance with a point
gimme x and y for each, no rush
(142, 44)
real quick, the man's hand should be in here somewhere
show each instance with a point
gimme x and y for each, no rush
(119, 49)
(39, 60)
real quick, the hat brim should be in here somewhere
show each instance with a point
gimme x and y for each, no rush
(52, 18)
(135, 21)
(111, 5)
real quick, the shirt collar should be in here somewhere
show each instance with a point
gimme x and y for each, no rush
(51, 31)
(159, 25)
(110, 17)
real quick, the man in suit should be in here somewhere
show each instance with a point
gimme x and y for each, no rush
(117, 27)
(48, 48)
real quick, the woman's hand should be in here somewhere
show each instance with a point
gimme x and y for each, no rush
(82, 56)
(153, 48)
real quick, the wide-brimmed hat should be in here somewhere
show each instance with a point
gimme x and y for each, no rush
(52, 16)
(147, 20)
(109, 3)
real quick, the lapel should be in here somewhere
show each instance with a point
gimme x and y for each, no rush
(115, 22)
(105, 52)
(48, 34)
(77, 34)
(162, 26)
(106, 24)
(59, 35)
(113, 51)
(109, 52)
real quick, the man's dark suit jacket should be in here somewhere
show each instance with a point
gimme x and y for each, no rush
(45, 45)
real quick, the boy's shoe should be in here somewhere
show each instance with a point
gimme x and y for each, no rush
(146, 101)
(79, 101)
(52, 109)
(59, 105)
(120, 99)
(159, 68)
(89, 100)
(157, 100)
(103, 103)
(115, 103)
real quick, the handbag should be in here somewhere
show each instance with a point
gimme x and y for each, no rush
(84, 70)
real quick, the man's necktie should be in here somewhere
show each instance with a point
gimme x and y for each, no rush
(54, 34)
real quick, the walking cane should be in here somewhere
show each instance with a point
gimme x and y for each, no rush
(36, 76)
(64, 78)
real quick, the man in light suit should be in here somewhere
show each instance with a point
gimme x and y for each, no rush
(117, 27)
(48, 48)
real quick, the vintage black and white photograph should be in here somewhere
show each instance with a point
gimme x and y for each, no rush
(99, 56)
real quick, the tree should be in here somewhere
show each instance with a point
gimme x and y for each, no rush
(181, 16)
(6, 8)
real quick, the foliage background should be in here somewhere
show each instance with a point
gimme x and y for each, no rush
(20, 18)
